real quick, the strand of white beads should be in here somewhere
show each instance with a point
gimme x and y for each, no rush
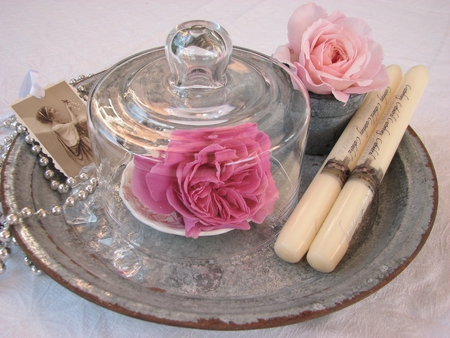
(57, 181)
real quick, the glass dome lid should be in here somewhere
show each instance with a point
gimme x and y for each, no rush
(198, 79)
(198, 137)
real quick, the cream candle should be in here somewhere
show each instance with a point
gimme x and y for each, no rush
(304, 222)
(333, 238)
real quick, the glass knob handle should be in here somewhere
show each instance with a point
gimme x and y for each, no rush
(198, 53)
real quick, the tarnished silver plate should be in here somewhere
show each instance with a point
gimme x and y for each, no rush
(231, 281)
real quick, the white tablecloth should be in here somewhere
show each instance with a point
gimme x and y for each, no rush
(62, 39)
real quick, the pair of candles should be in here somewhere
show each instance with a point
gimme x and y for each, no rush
(334, 204)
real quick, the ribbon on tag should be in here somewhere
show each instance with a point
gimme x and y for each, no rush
(31, 85)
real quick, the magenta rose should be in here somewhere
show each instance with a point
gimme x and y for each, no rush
(214, 178)
(333, 54)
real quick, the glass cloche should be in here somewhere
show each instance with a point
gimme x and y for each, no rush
(198, 138)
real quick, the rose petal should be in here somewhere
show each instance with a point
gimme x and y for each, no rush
(319, 88)
(341, 96)
(283, 54)
(144, 185)
(159, 179)
(298, 23)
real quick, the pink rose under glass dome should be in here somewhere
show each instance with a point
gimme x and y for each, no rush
(198, 138)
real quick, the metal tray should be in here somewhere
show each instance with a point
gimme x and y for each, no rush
(227, 282)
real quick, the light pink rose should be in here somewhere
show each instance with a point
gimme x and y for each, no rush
(333, 54)
(213, 178)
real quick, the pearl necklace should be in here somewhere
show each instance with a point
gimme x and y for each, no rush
(57, 181)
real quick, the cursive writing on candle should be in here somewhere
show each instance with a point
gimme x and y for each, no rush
(392, 117)
(385, 127)
(373, 117)
(353, 150)
(385, 94)
(365, 126)
(404, 92)
(370, 120)
(375, 147)
(395, 111)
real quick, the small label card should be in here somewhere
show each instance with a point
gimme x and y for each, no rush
(58, 121)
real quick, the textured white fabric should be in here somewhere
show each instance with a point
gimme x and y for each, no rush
(62, 39)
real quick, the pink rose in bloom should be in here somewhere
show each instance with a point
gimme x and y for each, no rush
(333, 53)
(213, 178)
